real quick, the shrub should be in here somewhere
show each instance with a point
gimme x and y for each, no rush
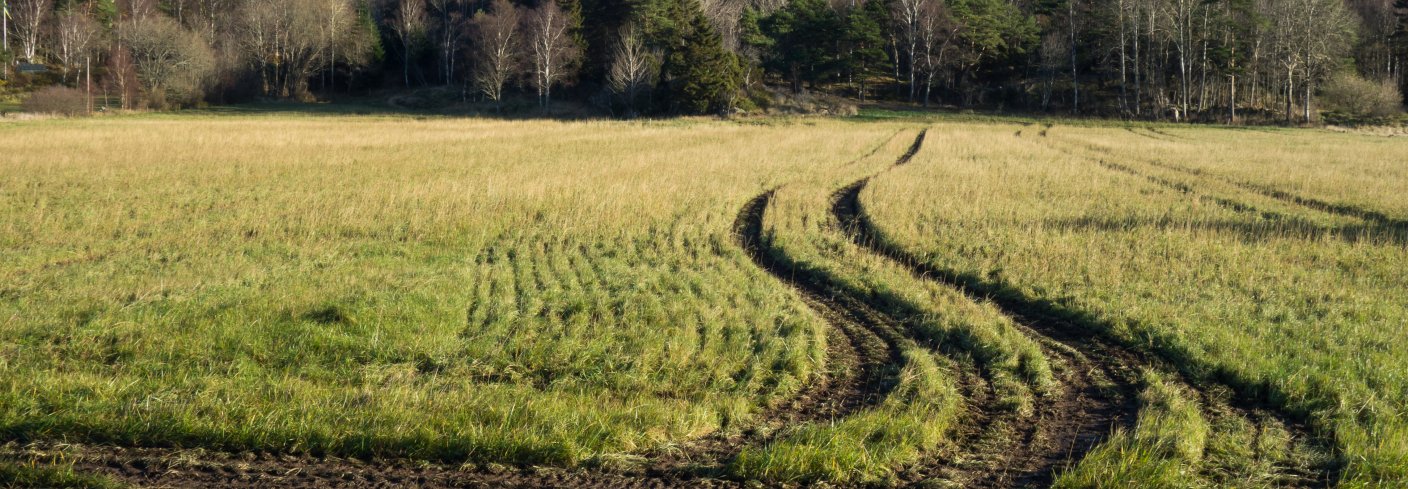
(1351, 96)
(56, 100)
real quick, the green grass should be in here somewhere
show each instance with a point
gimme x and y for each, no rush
(870, 446)
(23, 475)
(1166, 443)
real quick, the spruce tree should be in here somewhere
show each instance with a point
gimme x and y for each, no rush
(865, 43)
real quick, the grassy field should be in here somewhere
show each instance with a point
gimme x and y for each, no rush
(537, 292)
(1188, 243)
(1078, 305)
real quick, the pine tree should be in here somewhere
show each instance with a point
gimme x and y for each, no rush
(865, 43)
(804, 35)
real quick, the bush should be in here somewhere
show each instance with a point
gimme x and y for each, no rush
(56, 100)
(1353, 97)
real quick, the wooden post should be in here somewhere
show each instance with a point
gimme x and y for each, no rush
(88, 74)
(5, 32)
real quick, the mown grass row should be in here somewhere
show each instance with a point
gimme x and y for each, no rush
(1299, 320)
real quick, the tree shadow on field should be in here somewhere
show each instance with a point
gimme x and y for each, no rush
(1252, 232)
(416, 104)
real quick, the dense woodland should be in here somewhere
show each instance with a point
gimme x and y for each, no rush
(1197, 60)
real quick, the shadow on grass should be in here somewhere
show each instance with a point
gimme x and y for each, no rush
(422, 104)
(1247, 232)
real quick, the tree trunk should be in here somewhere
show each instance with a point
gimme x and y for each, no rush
(1203, 78)
(895, 55)
(928, 86)
(1307, 99)
(1232, 102)
(1075, 76)
(1138, 71)
(1124, 71)
(911, 72)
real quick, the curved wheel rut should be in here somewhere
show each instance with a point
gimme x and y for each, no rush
(995, 447)
(1095, 394)
(1098, 377)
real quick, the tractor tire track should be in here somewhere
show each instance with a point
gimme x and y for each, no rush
(992, 444)
(983, 448)
(1373, 217)
(1073, 337)
(1344, 210)
(1377, 226)
(1097, 387)
(198, 468)
(996, 446)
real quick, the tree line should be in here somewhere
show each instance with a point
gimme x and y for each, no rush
(1153, 59)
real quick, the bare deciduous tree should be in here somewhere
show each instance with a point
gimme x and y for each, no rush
(30, 17)
(287, 43)
(906, 15)
(172, 63)
(551, 47)
(136, 9)
(935, 33)
(341, 38)
(634, 68)
(75, 36)
(1310, 36)
(122, 75)
(496, 48)
(409, 26)
(450, 20)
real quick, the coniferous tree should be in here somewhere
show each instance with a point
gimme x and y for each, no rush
(864, 44)
(700, 75)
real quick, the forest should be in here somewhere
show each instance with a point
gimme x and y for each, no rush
(1293, 61)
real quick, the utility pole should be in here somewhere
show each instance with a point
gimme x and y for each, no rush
(88, 73)
(5, 32)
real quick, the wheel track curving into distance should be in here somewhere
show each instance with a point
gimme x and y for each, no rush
(1096, 393)
(998, 448)
(1077, 341)
(1376, 219)
(1368, 215)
